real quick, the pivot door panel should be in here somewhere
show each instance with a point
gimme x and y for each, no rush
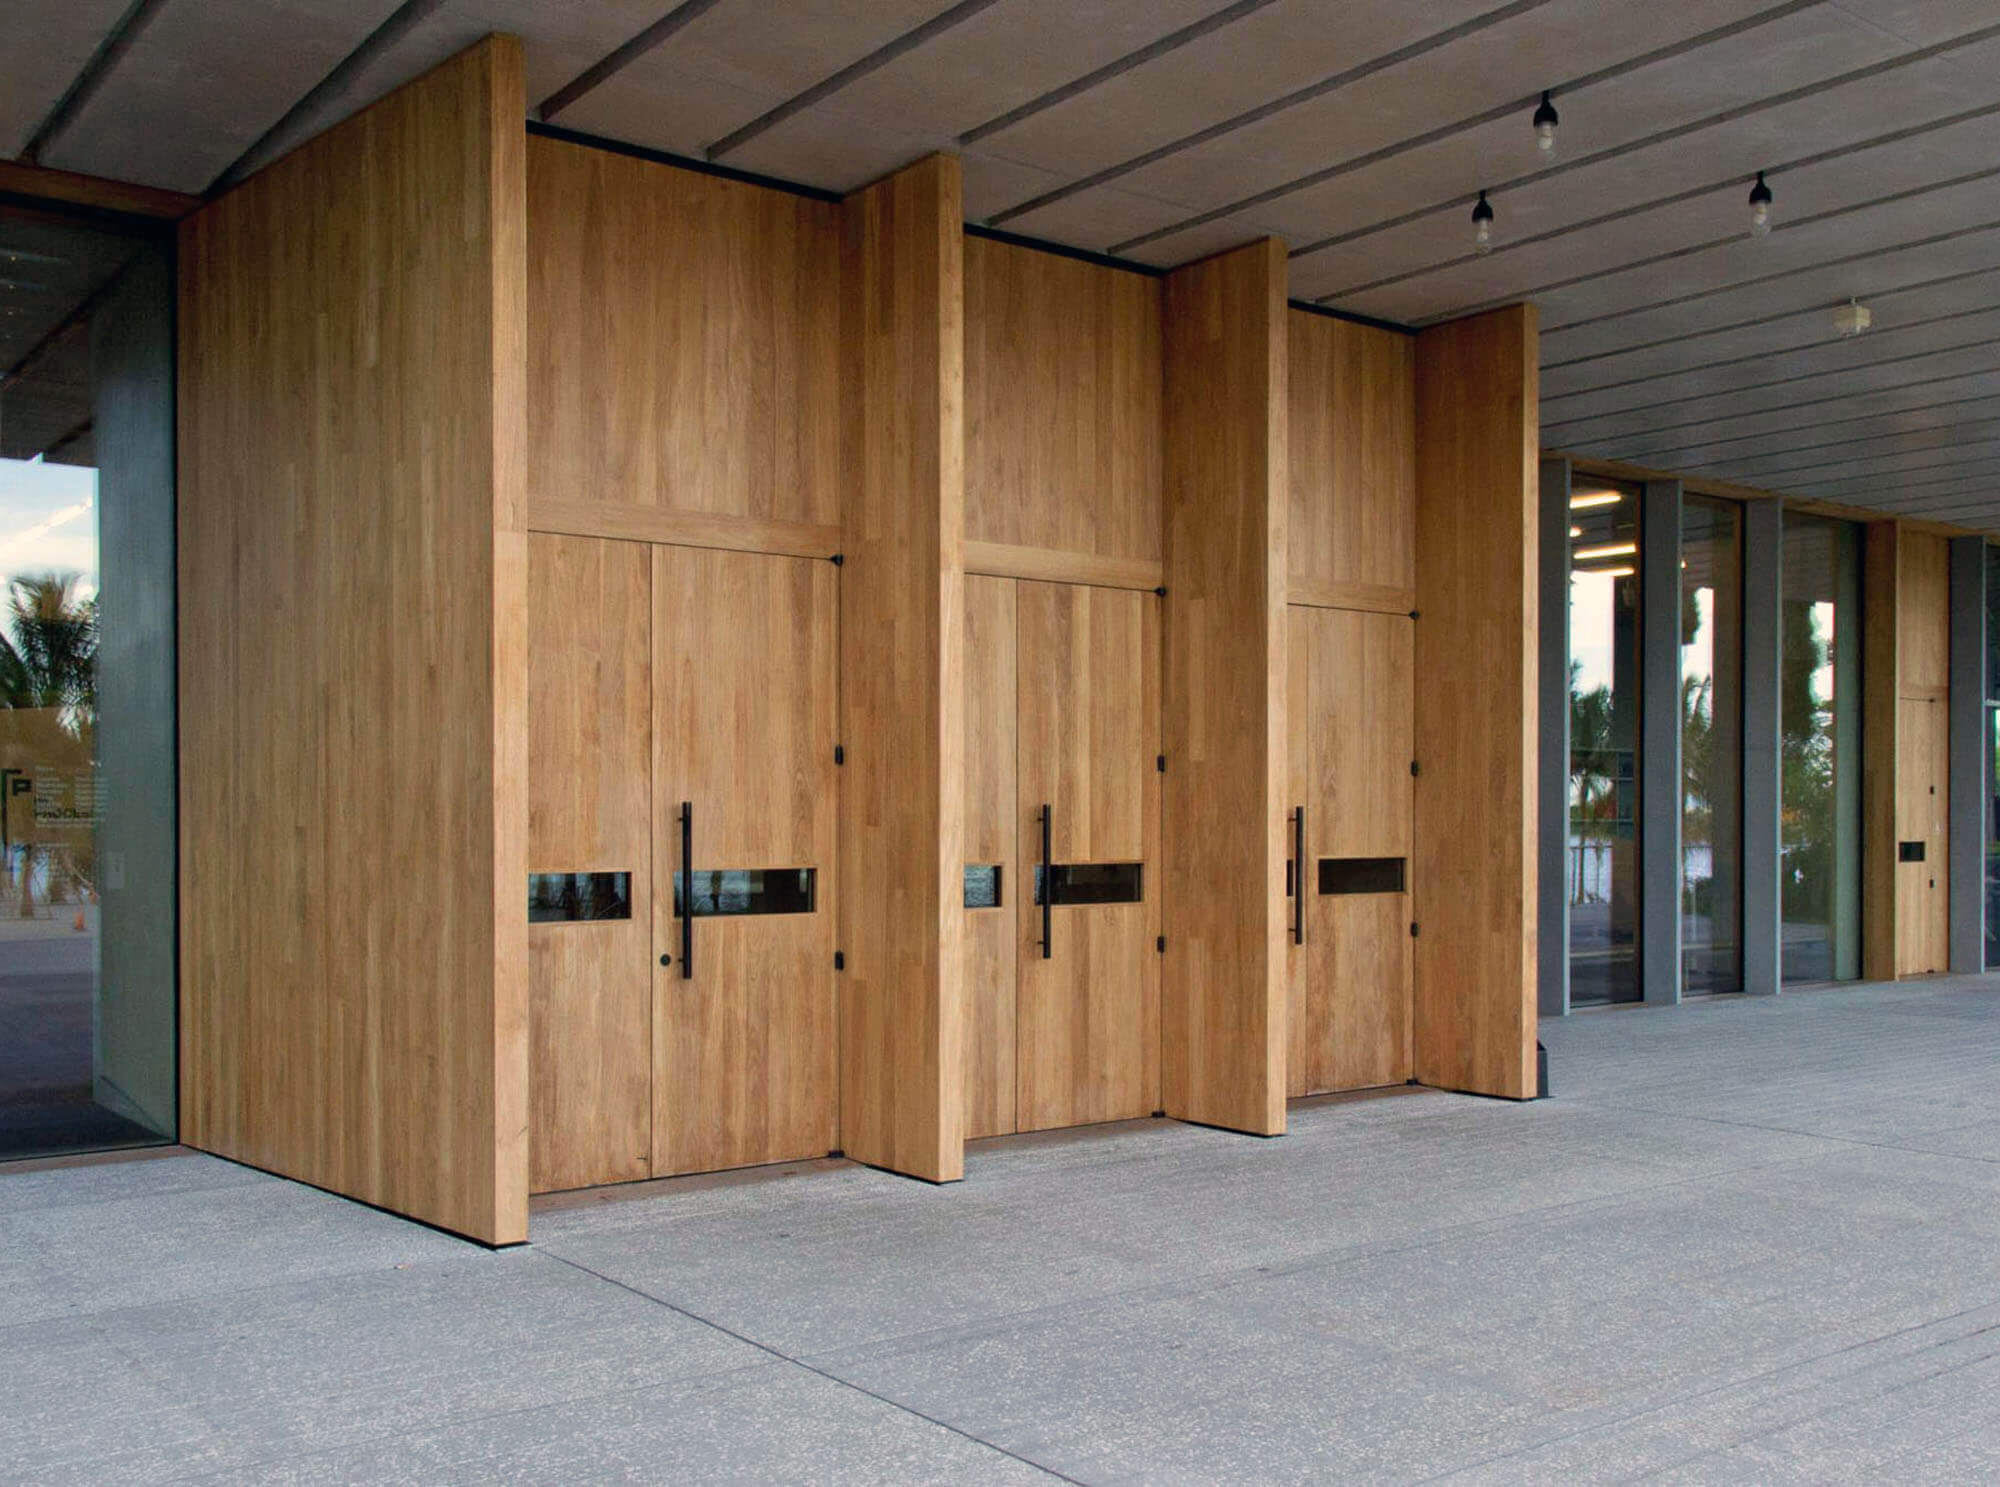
(1352, 739)
(589, 825)
(990, 797)
(1087, 666)
(1923, 918)
(744, 648)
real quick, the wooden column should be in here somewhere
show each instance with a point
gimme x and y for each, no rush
(1476, 725)
(1880, 591)
(352, 658)
(902, 637)
(1223, 992)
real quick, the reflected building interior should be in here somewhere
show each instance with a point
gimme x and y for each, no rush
(87, 790)
(1711, 745)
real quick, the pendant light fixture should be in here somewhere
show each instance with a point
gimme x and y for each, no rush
(1546, 119)
(1482, 225)
(1760, 208)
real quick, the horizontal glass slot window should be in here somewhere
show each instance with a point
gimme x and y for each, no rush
(749, 890)
(569, 898)
(1361, 875)
(1093, 883)
(1909, 851)
(982, 885)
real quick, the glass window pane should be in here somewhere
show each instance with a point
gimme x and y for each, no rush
(1603, 866)
(560, 898)
(1819, 712)
(1711, 745)
(749, 890)
(1361, 875)
(1093, 883)
(87, 786)
(982, 885)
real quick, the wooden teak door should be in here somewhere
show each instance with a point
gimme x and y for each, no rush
(1352, 741)
(1087, 1014)
(590, 855)
(744, 650)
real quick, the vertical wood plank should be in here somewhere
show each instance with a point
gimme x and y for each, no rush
(353, 658)
(990, 837)
(1881, 565)
(1476, 704)
(902, 845)
(1223, 991)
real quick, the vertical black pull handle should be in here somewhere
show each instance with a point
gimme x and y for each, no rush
(1048, 885)
(1299, 876)
(687, 891)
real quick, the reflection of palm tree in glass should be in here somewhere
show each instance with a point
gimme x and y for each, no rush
(1808, 766)
(1697, 811)
(48, 679)
(1593, 777)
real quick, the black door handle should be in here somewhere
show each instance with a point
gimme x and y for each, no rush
(1299, 876)
(1048, 885)
(687, 892)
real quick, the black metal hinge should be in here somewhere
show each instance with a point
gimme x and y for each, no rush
(838, 559)
(1160, 944)
(839, 754)
(1160, 763)
(1415, 770)
(1161, 591)
(840, 960)
(1413, 929)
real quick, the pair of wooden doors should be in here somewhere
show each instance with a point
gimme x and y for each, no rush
(1923, 914)
(682, 712)
(1350, 718)
(1062, 729)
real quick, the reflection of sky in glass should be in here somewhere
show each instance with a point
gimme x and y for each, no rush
(48, 521)
(1591, 596)
(1698, 654)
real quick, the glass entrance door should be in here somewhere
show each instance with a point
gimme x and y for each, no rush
(87, 789)
(1602, 870)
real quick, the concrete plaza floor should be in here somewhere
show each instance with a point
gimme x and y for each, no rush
(1745, 1241)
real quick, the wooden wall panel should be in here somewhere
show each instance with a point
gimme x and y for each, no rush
(1063, 432)
(990, 837)
(1881, 563)
(684, 348)
(902, 643)
(1923, 615)
(1353, 463)
(1223, 993)
(590, 805)
(1473, 871)
(353, 672)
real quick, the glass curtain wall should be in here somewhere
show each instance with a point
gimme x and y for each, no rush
(1819, 711)
(87, 826)
(1602, 871)
(1711, 745)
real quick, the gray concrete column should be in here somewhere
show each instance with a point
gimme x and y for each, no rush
(1552, 774)
(1763, 582)
(1660, 742)
(1967, 789)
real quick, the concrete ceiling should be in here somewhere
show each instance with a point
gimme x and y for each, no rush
(1360, 132)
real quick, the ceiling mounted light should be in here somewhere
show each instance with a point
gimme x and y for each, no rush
(1593, 499)
(1605, 550)
(1851, 319)
(1760, 208)
(1546, 119)
(1482, 225)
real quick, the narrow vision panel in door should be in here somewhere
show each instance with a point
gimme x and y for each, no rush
(590, 855)
(743, 802)
(1352, 745)
(1088, 1012)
